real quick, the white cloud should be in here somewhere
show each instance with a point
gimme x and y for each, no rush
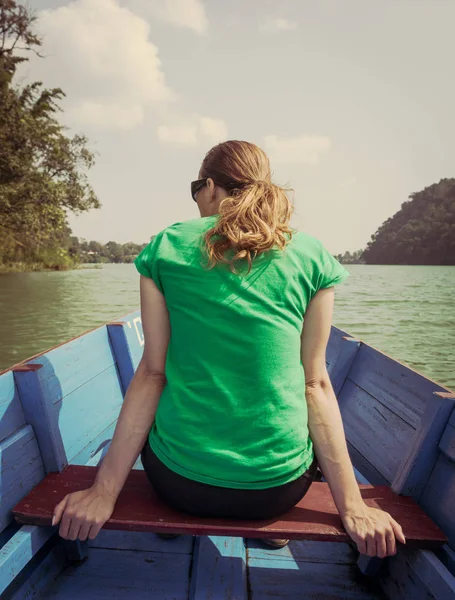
(277, 24)
(189, 14)
(100, 54)
(305, 149)
(199, 130)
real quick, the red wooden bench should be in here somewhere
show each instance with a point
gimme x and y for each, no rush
(139, 509)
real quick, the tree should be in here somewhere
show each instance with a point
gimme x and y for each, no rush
(421, 233)
(42, 170)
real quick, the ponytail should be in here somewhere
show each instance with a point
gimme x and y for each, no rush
(254, 218)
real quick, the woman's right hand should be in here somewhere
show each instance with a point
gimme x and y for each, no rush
(373, 530)
(82, 514)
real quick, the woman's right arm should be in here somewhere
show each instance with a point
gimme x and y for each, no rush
(373, 530)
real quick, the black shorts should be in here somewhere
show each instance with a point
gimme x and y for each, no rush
(206, 500)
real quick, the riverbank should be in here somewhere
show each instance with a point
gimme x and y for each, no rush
(38, 268)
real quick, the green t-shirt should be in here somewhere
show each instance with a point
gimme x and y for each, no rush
(233, 412)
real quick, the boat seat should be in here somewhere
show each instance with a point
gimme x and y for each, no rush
(139, 509)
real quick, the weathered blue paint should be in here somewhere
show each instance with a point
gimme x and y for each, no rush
(305, 551)
(219, 569)
(122, 353)
(68, 420)
(334, 347)
(21, 468)
(348, 352)
(288, 578)
(11, 413)
(71, 365)
(36, 579)
(19, 550)
(415, 470)
(447, 443)
(402, 390)
(125, 575)
(374, 430)
(438, 497)
(127, 341)
(417, 575)
(146, 542)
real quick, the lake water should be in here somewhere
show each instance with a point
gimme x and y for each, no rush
(407, 312)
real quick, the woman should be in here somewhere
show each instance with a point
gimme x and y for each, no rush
(228, 421)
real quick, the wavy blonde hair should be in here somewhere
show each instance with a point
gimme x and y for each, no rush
(255, 216)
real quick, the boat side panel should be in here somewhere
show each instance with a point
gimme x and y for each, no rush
(72, 397)
(393, 384)
(69, 366)
(393, 418)
(19, 550)
(11, 413)
(417, 574)
(36, 584)
(21, 468)
(127, 341)
(374, 430)
(438, 498)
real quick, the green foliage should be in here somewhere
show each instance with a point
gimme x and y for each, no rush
(421, 233)
(42, 171)
(112, 252)
(350, 258)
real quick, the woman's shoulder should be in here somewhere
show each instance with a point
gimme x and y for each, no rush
(304, 242)
(189, 227)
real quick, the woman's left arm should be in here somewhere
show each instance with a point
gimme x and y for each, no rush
(82, 514)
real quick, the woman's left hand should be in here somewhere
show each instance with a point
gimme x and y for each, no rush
(82, 514)
(374, 531)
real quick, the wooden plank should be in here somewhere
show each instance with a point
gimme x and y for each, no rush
(19, 550)
(416, 575)
(289, 580)
(147, 542)
(334, 347)
(219, 569)
(402, 390)
(21, 468)
(447, 556)
(96, 449)
(360, 478)
(373, 476)
(139, 509)
(304, 551)
(348, 351)
(375, 431)
(447, 443)
(437, 498)
(123, 575)
(35, 584)
(127, 342)
(67, 367)
(415, 470)
(122, 353)
(11, 413)
(40, 414)
(94, 406)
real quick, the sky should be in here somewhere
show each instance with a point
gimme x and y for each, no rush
(353, 100)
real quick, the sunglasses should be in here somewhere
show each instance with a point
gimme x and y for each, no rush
(196, 186)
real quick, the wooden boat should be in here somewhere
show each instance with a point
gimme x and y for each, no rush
(58, 412)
